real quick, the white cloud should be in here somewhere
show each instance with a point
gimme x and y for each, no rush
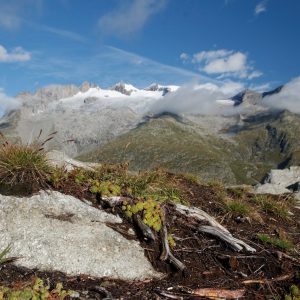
(7, 102)
(201, 99)
(129, 19)
(255, 74)
(210, 55)
(260, 7)
(233, 63)
(18, 54)
(288, 98)
(184, 56)
(224, 63)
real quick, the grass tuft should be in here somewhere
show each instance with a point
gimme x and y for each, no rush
(23, 164)
(283, 244)
(236, 207)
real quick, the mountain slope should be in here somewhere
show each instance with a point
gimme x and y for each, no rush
(260, 144)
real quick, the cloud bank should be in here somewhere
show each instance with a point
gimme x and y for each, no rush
(129, 19)
(201, 99)
(223, 63)
(288, 98)
(7, 102)
(18, 54)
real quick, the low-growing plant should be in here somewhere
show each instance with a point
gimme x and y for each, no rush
(24, 164)
(294, 293)
(36, 291)
(267, 204)
(236, 207)
(57, 176)
(171, 241)
(283, 244)
(152, 214)
(219, 190)
(105, 188)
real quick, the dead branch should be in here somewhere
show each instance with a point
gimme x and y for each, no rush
(166, 252)
(112, 201)
(233, 242)
(146, 230)
(268, 281)
(218, 293)
(200, 215)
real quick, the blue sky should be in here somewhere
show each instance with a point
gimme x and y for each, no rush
(253, 43)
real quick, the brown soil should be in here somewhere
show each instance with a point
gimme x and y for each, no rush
(209, 262)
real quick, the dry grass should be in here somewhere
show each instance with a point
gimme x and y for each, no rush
(24, 164)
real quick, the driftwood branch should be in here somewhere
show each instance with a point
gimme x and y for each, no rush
(215, 228)
(199, 214)
(166, 252)
(233, 242)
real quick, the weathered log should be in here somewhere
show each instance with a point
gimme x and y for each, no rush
(233, 242)
(200, 215)
(215, 229)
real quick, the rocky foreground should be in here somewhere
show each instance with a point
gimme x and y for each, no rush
(228, 243)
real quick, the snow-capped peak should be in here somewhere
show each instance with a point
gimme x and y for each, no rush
(124, 88)
(162, 88)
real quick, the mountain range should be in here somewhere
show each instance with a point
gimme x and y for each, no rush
(236, 139)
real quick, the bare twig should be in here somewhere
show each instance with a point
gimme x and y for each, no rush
(166, 252)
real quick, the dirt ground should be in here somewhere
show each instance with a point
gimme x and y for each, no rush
(266, 274)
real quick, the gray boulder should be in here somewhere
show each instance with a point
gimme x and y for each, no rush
(60, 159)
(285, 177)
(280, 181)
(56, 232)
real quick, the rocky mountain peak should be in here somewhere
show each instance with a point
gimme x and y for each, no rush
(85, 86)
(56, 92)
(156, 87)
(123, 88)
(247, 97)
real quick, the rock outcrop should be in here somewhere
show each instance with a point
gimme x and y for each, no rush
(280, 181)
(60, 159)
(55, 232)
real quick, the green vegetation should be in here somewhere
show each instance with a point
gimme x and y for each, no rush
(263, 143)
(3, 255)
(294, 293)
(152, 214)
(148, 190)
(25, 165)
(269, 205)
(36, 291)
(283, 244)
(237, 208)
